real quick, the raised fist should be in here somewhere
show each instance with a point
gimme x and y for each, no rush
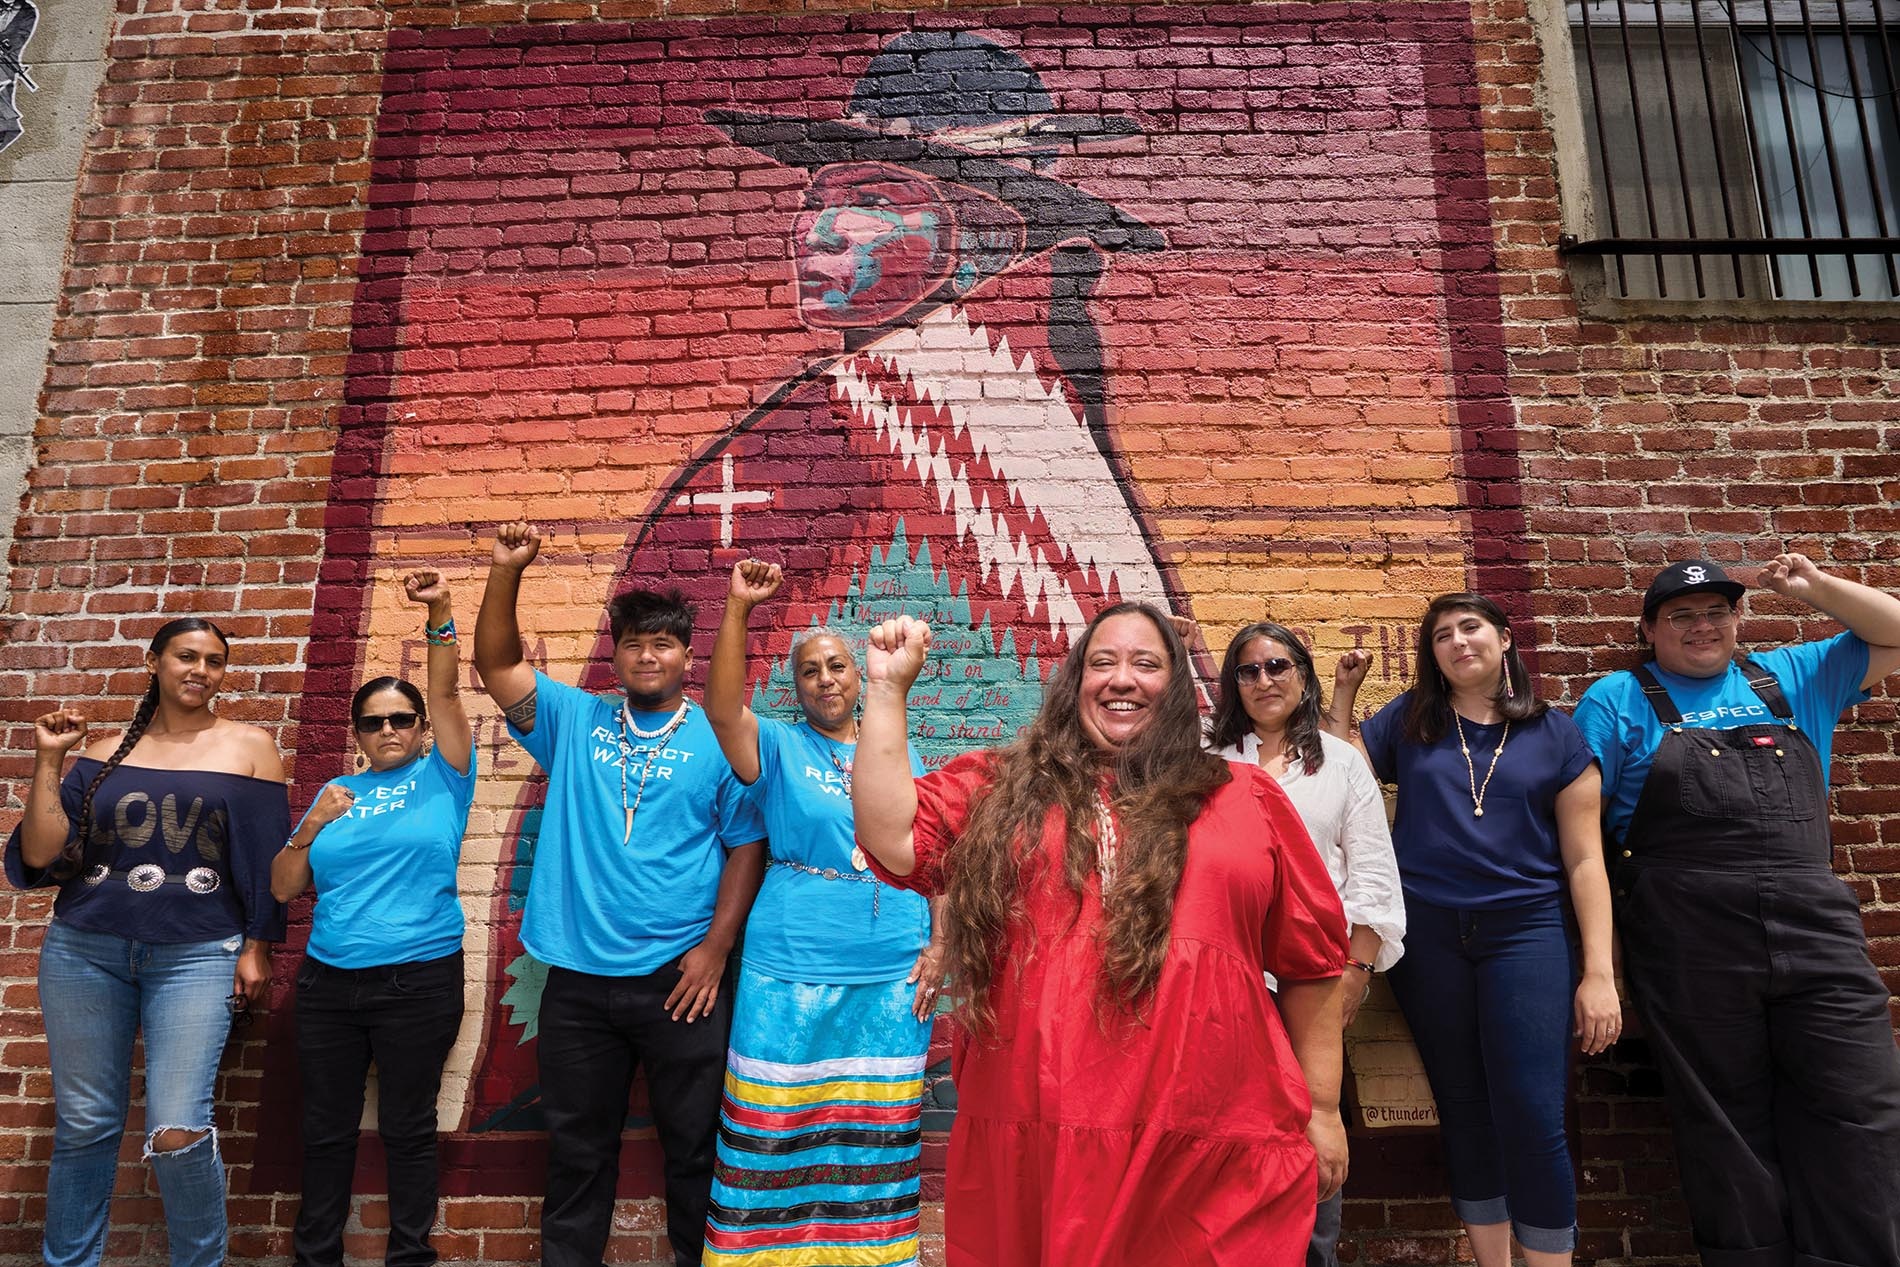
(59, 731)
(425, 586)
(753, 582)
(896, 652)
(516, 544)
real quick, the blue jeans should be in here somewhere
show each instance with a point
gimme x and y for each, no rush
(97, 991)
(1488, 995)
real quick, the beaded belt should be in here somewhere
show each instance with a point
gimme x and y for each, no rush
(832, 873)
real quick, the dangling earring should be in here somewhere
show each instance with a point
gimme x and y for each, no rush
(1509, 692)
(362, 762)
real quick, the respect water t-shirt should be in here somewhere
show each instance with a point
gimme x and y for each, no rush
(601, 901)
(805, 927)
(385, 871)
(1821, 680)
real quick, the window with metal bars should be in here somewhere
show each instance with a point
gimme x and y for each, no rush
(1742, 149)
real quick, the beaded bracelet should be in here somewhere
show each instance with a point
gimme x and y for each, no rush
(1360, 964)
(442, 635)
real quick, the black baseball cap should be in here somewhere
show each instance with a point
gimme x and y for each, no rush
(1697, 576)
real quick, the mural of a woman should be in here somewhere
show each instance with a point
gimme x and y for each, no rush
(954, 460)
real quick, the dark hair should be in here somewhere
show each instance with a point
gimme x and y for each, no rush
(1302, 725)
(651, 612)
(1161, 779)
(385, 683)
(72, 859)
(1430, 708)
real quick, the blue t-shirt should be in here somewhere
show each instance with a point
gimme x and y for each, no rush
(1821, 680)
(175, 856)
(1447, 855)
(616, 909)
(803, 926)
(385, 871)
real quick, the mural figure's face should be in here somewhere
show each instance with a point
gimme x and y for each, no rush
(1125, 670)
(388, 745)
(189, 668)
(871, 242)
(826, 678)
(652, 669)
(1269, 698)
(1469, 650)
(1704, 644)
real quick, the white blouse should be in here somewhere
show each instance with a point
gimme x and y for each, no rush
(1344, 813)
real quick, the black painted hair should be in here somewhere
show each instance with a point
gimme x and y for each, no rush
(72, 859)
(386, 683)
(1424, 721)
(1302, 727)
(651, 612)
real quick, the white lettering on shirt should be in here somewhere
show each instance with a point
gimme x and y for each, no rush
(830, 782)
(1741, 715)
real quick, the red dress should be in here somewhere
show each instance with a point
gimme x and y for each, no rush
(1181, 1141)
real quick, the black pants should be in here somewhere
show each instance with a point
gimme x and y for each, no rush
(403, 1017)
(1770, 1027)
(594, 1032)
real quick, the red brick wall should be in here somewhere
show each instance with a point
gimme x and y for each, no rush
(349, 282)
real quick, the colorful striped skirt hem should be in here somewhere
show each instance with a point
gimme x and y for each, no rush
(819, 1144)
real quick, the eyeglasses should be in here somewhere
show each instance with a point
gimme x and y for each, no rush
(1276, 668)
(1718, 618)
(399, 721)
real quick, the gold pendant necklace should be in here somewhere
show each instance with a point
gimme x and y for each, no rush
(1471, 771)
(858, 861)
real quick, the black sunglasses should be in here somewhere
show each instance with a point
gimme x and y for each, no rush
(1276, 668)
(401, 721)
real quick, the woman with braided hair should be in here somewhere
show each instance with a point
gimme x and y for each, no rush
(1129, 1094)
(160, 845)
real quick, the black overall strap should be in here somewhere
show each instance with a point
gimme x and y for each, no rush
(1767, 689)
(1658, 696)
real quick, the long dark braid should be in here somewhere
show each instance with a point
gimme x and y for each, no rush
(72, 859)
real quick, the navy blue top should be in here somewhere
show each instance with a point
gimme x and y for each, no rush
(1447, 855)
(176, 855)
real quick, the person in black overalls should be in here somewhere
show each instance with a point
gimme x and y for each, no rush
(1743, 951)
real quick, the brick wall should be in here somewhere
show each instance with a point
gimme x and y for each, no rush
(350, 282)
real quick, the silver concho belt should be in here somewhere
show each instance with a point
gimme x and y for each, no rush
(148, 876)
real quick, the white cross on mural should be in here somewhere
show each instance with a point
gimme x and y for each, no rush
(727, 499)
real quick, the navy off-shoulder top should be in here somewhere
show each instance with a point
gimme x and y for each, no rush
(175, 855)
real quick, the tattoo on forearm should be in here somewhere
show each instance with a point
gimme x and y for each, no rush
(520, 714)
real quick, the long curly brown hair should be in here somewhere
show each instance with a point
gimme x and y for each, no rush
(1159, 781)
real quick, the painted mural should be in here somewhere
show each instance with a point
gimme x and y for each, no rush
(969, 319)
(18, 20)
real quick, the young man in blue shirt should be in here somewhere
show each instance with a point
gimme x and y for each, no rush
(647, 861)
(1745, 954)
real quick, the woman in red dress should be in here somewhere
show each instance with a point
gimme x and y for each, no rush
(1127, 1091)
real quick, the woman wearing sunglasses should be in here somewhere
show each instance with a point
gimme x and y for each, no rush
(381, 979)
(1268, 714)
(1497, 826)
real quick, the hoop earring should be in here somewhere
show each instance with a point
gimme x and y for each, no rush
(362, 762)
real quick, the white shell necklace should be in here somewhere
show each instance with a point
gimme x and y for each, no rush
(1471, 771)
(1107, 842)
(657, 738)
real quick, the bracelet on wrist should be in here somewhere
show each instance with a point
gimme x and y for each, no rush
(442, 635)
(1360, 964)
(291, 844)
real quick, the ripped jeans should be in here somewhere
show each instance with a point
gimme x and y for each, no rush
(97, 991)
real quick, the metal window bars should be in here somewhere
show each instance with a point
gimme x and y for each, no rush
(1763, 131)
